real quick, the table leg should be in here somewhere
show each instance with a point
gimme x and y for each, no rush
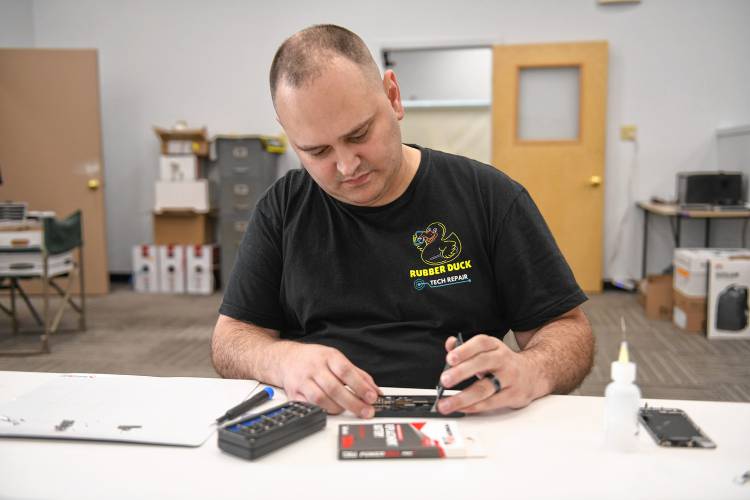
(677, 240)
(708, 233)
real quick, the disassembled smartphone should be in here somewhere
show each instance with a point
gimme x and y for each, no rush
(672, 427)
(409, 406)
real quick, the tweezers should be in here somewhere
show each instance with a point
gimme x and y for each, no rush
(439, 388)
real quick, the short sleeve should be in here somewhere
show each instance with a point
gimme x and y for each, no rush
(534, 282)
(252, 294)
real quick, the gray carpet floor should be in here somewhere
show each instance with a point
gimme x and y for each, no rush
(164, 335)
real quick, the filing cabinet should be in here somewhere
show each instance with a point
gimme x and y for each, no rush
(245, 167)
(232, 230)
(239, 197)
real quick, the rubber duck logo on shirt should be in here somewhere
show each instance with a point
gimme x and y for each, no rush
(435, 246)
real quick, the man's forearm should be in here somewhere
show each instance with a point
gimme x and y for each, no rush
(563, 353)
(244, 351)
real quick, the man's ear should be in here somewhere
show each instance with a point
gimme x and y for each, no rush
(393, 92)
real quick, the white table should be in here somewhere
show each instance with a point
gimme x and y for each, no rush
(551, 449)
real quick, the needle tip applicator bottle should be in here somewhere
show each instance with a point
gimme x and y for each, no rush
(621, 401)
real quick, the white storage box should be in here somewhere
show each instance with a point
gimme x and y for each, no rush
(187, 195)
(178, 168)
(145, 269)
(21, 239)
(30, 263)
(179, 147)
(691, 268)
(171, 268)
(728, 294)
(202, 261)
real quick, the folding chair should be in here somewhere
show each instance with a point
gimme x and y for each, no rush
(54, 260)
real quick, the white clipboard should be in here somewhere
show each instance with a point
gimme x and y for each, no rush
(177, 411)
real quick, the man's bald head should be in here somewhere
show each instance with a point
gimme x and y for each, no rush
(305, 55)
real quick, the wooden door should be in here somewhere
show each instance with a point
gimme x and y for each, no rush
(50, 142)
(563, 174)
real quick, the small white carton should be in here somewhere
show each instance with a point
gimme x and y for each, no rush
(728, 306)
(172, 268)
(691, 267)
(145, 269)
(186, 195)
(178, 168)
(202, 261)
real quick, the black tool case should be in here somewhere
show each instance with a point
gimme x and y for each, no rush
(263, 432)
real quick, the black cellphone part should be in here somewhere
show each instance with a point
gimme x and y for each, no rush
(409, 406)
(672, 427)
(264, 432)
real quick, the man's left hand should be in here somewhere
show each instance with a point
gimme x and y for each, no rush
(482, 356)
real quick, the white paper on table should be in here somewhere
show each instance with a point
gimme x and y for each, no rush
(157, 410)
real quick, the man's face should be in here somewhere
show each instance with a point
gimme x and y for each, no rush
(345, 130)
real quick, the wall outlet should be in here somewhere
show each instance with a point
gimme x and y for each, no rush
(628, 132)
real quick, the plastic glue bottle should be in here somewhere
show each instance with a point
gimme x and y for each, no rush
(621, 401)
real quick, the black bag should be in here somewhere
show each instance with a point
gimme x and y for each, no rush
(731, 309)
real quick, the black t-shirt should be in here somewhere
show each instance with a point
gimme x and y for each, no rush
(464, 249)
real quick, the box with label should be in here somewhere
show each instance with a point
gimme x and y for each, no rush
(178, 168)
(31, 263)
(145, 269)
(406, 439)
(202, 262)
(728, 286)
(186, 195)
(183, 227)
(691, 267)
(689, 313)
(655, 294)
(171, 268)
(21, 234)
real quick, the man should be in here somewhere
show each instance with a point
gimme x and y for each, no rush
(359, 270)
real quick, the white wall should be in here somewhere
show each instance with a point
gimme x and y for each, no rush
(444, 75)
(734, 149)
(16, 23)
(678, 70)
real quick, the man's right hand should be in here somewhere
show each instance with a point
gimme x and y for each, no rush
(325, 377)
(308, 372)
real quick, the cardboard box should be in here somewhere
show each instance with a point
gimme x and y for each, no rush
(186, 195)
(728, 291)
(202, 262)
(183, 228)
(171, 268)
(178, 168)
(183, 141)
(691, 268)
(145, 269)
(689, 313)
(655, 294)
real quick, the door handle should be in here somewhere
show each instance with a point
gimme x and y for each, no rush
(93, 184)
(595, 181)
